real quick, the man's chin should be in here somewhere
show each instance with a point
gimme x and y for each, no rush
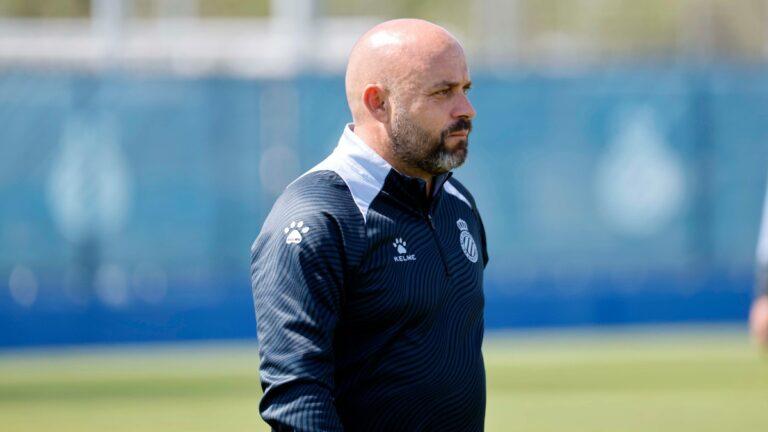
(454, 159)
(460, 151)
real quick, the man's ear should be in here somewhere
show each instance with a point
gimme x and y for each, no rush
(375, 101)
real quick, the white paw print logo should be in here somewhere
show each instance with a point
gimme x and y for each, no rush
(399, 244)
(294, 231)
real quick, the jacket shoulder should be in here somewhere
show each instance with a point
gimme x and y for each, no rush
(457, 189)
(321, 190)
(319, 205)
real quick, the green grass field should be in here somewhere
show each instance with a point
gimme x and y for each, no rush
(650, 379)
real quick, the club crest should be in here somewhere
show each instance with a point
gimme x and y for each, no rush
(466, 241)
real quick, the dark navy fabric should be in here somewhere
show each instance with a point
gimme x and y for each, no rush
(369, 302)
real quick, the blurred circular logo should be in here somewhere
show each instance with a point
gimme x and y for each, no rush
(639, 180)
(89, 185)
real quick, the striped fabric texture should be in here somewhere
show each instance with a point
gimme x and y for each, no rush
(369, 301)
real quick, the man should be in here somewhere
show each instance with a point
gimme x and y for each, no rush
(758, 317)
(367, 275)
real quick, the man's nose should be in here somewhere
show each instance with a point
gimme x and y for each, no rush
(464, 108)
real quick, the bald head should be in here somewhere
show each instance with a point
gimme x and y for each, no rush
(407, 82)
(395, 56)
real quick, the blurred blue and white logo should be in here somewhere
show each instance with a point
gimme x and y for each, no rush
(639, 181)
(89, 186)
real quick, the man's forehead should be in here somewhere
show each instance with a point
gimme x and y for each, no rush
(450, 72)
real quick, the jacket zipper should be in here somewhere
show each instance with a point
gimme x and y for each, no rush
(437, 243)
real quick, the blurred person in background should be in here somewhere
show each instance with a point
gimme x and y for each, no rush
(367, 275)
(758, 317)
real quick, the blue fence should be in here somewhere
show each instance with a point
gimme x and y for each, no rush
(129, 202)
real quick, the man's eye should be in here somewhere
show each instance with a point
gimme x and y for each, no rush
(443, 91)
(467, 89)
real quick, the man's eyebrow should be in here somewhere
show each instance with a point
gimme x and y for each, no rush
(451, 84)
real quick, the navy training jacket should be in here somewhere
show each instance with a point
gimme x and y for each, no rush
(369, 300)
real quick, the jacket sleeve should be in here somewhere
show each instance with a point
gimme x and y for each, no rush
(473, 205)
(761, 270)
(297, 274)
(483, 239)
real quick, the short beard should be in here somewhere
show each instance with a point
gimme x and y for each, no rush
(415, 146)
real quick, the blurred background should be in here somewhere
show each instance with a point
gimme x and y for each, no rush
(618, 158)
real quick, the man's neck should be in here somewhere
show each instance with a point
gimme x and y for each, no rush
(382, 145)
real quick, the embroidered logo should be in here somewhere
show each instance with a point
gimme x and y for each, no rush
(399, 244)
(294, 231)
(466, 241)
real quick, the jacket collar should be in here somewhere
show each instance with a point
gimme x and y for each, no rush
(409, 191)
